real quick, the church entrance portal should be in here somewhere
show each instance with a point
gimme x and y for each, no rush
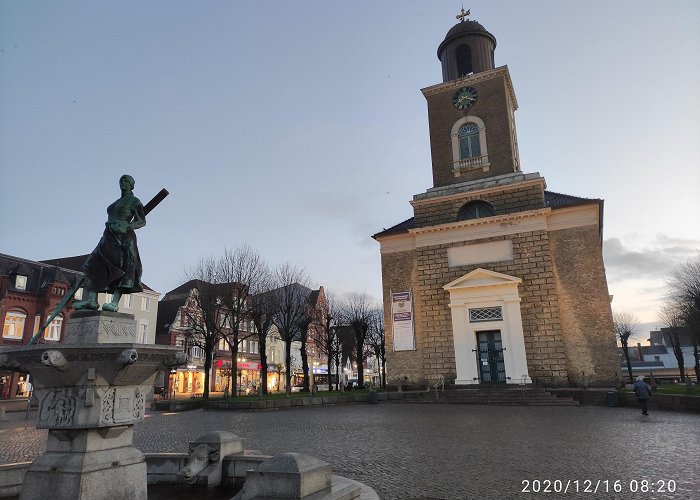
(492, 367)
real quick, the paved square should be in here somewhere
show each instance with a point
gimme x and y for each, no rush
(446, 451)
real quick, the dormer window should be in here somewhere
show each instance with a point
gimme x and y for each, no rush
(20, 282)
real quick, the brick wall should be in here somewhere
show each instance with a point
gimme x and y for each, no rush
(586, 318)
(399, 275)
(517, 198)
(540, 315)
(492, 108)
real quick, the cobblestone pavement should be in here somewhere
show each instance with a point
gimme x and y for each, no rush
(412, 451)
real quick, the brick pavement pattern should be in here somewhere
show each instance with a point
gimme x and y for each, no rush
(412, 451)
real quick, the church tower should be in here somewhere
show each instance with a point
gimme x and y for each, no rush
(494, 279)
(471, 114)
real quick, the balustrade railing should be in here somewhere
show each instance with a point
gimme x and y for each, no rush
(471, 163)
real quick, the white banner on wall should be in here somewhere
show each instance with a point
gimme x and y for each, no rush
(402, 321)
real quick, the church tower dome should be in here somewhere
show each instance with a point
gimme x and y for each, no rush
(467, 48)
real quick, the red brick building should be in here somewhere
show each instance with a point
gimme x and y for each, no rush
(29, 292)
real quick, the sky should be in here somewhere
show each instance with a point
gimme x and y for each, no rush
(300, 129)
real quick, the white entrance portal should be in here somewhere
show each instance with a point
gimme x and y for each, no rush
(481, 301)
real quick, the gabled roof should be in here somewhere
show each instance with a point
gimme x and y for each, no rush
(39, 275)
(167, 312)
(401, 227)
(182, 291)
(482, 277)
(560, 200)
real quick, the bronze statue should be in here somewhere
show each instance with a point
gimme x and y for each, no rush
(114, 265)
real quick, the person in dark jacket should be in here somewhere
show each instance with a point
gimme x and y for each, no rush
(643, 393)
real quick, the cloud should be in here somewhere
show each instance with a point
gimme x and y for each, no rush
(655, 260)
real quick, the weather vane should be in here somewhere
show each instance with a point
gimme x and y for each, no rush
(462, 15)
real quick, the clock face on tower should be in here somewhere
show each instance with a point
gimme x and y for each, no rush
(465, 98)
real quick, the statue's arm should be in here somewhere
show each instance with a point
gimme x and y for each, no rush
(139, 218)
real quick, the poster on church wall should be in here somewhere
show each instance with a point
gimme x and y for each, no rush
(402, 320)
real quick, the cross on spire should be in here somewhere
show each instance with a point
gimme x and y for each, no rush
(462, 15)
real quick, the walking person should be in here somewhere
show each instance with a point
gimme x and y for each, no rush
(643, 393)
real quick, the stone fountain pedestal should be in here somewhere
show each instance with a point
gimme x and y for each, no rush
(91, 391)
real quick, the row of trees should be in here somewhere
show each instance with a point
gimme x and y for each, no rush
(680, 312)
(239, 289)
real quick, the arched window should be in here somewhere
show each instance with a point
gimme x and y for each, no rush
(469, 141)
(475, 210)
(13, 328)
(469, 148)
(53, 332)
(463, 55)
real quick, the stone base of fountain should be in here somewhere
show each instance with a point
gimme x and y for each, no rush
(91, 391)
(97, 464)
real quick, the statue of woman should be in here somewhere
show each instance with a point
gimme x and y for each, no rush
(114, 265)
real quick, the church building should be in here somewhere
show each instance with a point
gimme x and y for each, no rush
(495, 279)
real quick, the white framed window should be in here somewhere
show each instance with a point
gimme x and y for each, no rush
(20, 282)
(127, 301)
(108, 297)
(196, 352)
(253, 345)
(223, 345)
(53, 332)
(145, 303)
(143, 331)
(13, 328)
(469, 151)
(78, 294)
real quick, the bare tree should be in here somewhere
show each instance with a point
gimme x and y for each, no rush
(625, 324)
(262, 311)
(204, 312)
(357, 312)
(672, 316)
(290, 300)
(376, 342)
(303, 326)
(241, 272)
(325, 336)
(684, 285)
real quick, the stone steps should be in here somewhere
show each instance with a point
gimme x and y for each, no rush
(490, 397)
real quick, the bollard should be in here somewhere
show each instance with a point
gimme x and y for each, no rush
(2, 413)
